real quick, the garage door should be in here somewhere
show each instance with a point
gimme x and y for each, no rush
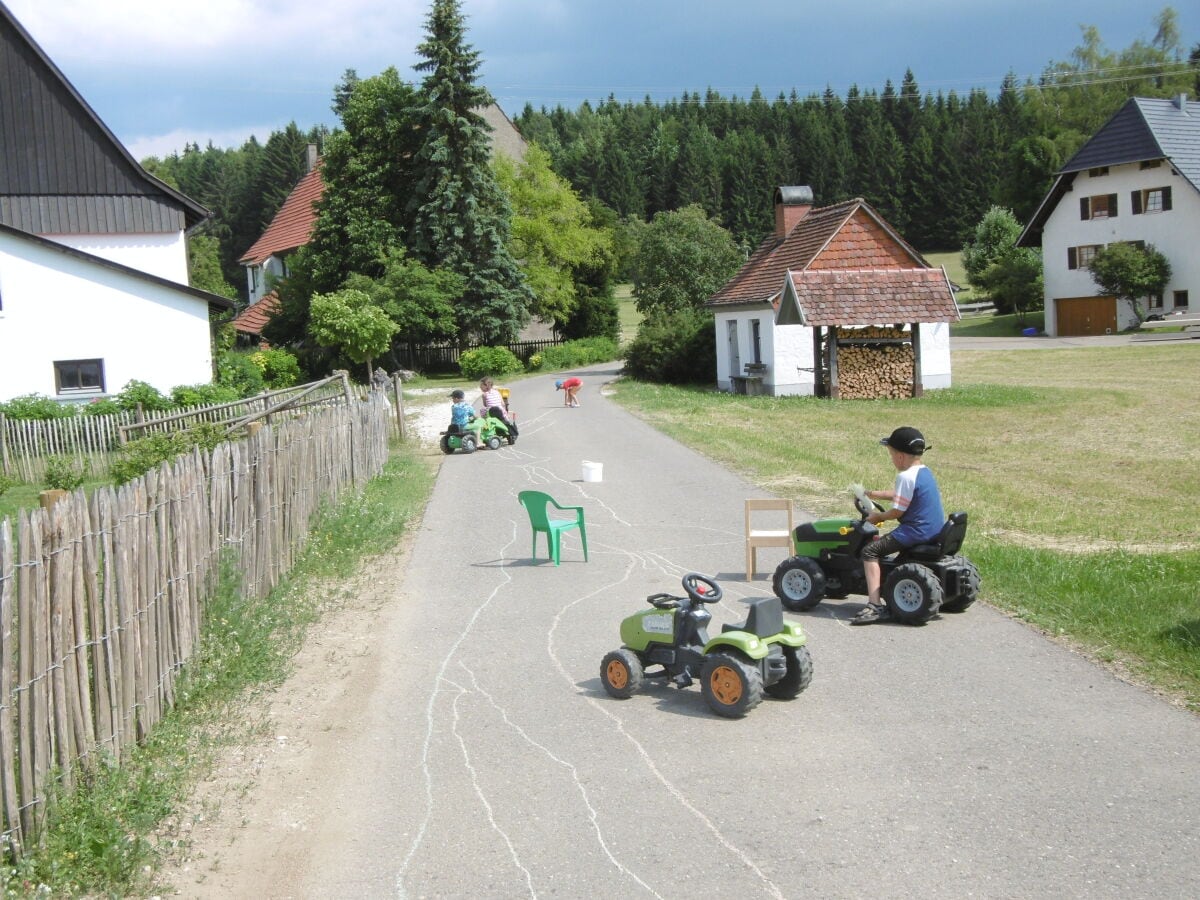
(1081, 316)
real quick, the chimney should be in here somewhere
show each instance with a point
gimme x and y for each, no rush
(1180, 102)
(310, 158)
(791, 205)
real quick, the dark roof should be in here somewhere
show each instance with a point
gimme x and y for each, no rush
(47, 244)
(64, 172)
(848, 235)
(1142, 129)
(869, 297)
(293, 224)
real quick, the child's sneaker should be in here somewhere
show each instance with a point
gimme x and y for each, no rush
(871, 613)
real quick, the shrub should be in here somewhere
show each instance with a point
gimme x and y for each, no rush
(101, 406)
(573, 354)
(674, 348)
(280, 369)
(239, 372)
(140, 456)
(494, 361)
(6, 483)
(36, 406)
(202, 394)
(148, 396)
(63, 473)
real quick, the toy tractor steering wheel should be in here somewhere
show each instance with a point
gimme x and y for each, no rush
(701, 588)
(863, 503)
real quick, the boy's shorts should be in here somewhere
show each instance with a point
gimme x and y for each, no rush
(885, 546)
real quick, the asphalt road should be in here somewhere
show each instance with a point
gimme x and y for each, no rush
(969, 758)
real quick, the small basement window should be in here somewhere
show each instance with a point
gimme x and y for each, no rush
(73, 376)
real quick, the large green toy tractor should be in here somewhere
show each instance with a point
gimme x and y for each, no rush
(918, 582)
(480, 431)
(735, 668)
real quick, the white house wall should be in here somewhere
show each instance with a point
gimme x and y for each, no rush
(1172, 232)
(55, 307)
(787, 351)
(164, 255)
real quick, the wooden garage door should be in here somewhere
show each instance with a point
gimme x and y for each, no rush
(1081, 316)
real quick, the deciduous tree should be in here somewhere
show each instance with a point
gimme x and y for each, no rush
(1130, 273)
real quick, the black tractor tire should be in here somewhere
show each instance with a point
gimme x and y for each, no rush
(512, 439)
(799, 582)
(622, 673)
(445, 444)
(798, 677)
(913, 594)
(493, 443)
(731, 685)
(968, 583)
(469, 444)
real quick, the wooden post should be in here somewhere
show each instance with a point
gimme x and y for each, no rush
(3, 445)
(835, 390)
(818, 363)
(401, 425)
(918, 388)
(345, 376)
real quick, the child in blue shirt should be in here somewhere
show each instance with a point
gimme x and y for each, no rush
(916, 502)
(461, 412)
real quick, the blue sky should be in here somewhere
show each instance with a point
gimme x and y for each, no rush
(166, 72)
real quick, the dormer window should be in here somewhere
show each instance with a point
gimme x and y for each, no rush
(1150, 164)
(1097, 172)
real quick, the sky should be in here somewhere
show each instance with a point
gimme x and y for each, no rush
(168, 72)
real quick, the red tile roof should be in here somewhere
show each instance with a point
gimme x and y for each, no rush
(846, 235)
(873, 296)
(252, 319)
(293, 224)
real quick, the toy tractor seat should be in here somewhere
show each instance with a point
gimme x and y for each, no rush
(948, 542)
(764, 618)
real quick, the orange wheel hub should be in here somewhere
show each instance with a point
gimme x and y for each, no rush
(726, 685)
(618, 675)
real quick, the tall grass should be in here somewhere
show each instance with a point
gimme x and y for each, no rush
(1073, 464)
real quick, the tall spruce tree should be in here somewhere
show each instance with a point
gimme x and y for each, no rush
(461, 217)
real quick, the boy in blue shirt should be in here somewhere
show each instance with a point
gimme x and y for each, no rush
(916, 502)
(461, 412)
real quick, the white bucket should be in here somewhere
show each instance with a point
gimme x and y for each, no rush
(593, 471)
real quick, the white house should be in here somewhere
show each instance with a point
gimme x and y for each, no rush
(1136, 180)
(838, 267)
(93, 249)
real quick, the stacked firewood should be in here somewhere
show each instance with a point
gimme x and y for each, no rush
(874, 371)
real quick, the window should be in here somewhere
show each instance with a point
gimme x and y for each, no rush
(1156, 301)
(1097, 172)
(1181, 299)
(1150, 163)
(1100, 206)
(1081, 257)
(1151, 200)
(75, 375)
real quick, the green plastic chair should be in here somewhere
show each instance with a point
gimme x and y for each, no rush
(538, 506)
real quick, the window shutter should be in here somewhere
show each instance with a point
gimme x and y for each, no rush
(1072, 259)
(1166, 198)
(1112, 206)
(1085, 208)
(1135, 197)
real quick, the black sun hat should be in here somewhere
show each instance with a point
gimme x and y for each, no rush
(906, 440)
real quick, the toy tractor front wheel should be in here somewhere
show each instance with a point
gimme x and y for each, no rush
(968, 586)
(731, 686)
(621, 673)
(493, 442)
(913, 593)
(798, 677)
(799, 582)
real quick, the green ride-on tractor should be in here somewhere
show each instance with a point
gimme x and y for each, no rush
(480, 431)
(735, 668)
(918, 582)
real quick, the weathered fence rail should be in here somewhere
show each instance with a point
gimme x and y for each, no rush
(444, 357)
(102, 598)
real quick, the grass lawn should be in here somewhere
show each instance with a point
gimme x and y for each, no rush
(627, 313)
(1071, 464)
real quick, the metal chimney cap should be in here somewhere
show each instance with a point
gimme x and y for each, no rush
(794, 195)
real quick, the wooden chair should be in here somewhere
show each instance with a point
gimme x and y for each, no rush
(538, 506)
(759, 536)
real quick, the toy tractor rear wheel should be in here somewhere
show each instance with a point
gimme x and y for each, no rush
(621, 673)
(731, 686)
(798, 677)
(469, 444)
(445, 444)
(913, 593)
(799, 582)
(968, 586)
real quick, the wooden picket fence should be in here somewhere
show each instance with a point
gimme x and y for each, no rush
(93, 441)
(102, 598)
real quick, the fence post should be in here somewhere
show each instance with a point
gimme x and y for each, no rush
(345, 376)
(401, 426)
(3, 444)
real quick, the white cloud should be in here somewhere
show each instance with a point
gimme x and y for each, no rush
(163, 145)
